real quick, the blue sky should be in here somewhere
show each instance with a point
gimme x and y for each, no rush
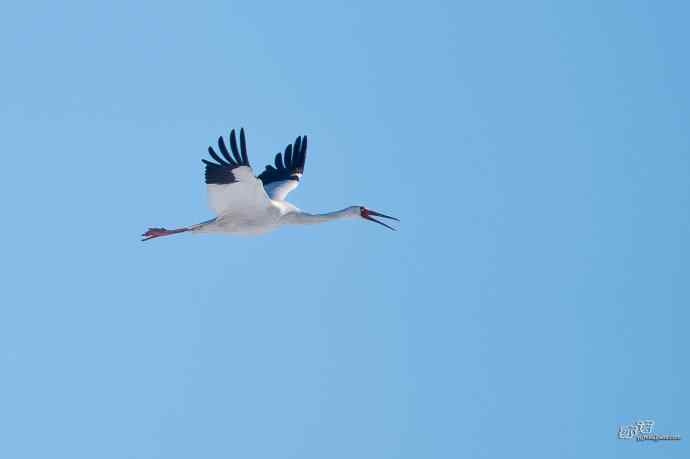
(534, 299)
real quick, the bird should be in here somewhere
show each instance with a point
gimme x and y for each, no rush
(246, 204)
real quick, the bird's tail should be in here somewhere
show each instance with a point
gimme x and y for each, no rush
(153, 233)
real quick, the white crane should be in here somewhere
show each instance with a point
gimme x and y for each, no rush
(245, 204)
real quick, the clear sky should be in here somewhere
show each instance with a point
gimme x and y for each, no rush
(534, 300)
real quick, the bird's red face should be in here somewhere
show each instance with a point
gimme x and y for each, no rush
(369, 214)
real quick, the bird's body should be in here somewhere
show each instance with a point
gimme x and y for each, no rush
(276, 215)
(250, 205)
(249, 224)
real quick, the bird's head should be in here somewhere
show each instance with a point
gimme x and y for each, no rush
(369, 214)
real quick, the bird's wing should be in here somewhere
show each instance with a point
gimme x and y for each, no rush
(232, 187)
(278, 181)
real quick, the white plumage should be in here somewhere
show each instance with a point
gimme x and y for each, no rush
(245, 196)
(246, 204)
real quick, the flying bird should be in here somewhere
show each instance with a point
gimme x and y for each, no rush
(251, 205)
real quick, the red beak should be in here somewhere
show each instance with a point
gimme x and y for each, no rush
(367, 214)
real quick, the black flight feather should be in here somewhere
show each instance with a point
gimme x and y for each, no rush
(220, 172)
(233, 146)
(288, 164)
(224, 151)
(243, 147)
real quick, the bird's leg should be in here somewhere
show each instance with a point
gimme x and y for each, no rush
(158, 232)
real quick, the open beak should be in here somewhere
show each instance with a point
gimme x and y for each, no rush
(367, 214)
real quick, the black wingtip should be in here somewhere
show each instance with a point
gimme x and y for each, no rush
(215, 156)
(233, 147)
(224, 151)
(243, 148)
(303, 153)
(287, 163)
(287, 156)
(297, 149)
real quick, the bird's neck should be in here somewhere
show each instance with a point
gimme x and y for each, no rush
(304, 218)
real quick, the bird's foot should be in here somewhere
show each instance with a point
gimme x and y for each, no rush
(158, 232)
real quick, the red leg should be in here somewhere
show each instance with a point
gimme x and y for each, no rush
(158, 232)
